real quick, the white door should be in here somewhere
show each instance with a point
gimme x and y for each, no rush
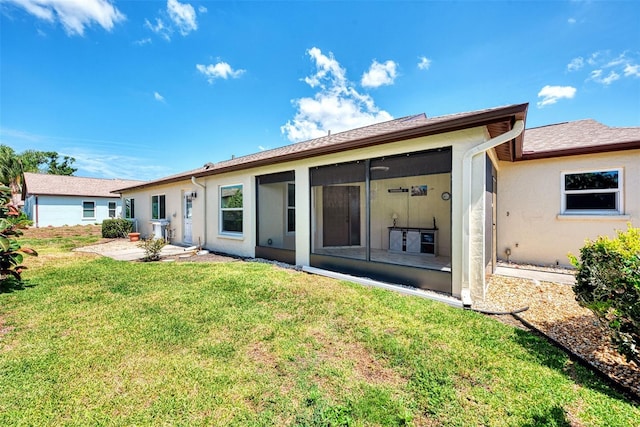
(186, 218)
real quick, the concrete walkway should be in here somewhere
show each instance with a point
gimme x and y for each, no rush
(124, 250)
(534, 274)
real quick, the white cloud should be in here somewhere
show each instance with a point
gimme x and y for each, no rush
(571, 20)
(598, 77)
(425, 63)
(575, 64)
(183, 16)
(180, 17)
(143, 42)
(74, 15)
(551, 94)
(159, 28)
(632, 70)
(158, 97)
(221, 70)
(604, 68)
(337, 106)
(380, 74)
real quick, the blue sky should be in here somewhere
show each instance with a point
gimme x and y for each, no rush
(144, 89)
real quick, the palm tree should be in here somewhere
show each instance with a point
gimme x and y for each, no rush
(11, 172)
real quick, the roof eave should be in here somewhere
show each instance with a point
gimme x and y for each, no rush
(511, 113)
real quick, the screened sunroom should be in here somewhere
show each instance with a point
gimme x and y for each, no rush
(387, 218)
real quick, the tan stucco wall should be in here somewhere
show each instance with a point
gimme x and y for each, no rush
(529, 196)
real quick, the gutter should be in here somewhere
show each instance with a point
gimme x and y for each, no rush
(467, 177)
(204, 201)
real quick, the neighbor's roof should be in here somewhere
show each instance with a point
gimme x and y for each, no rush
(579, 137)
(497, 120)
(63, 185)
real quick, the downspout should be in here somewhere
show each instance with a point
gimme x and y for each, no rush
(467, 177)
(204, 202)
(36, 211)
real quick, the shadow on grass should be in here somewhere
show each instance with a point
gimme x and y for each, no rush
(552, 417)
(11, 284)
(553, 355)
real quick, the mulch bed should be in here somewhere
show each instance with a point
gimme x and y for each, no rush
(554, 312)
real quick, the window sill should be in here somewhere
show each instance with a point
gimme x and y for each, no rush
(231, 236)
(593, 217)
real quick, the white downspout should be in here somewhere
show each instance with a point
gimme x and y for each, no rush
(467, 175)
(204, 202)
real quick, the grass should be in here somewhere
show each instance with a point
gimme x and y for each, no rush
(93, 341)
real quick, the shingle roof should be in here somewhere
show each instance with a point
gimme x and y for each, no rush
(62, 185)
(581, 136)
(379, 133)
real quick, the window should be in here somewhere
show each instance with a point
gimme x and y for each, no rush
(88, 210)
(158, 207)
(592, 192)
(112, 209)
(129, 208)
(291, 208)
(231, 209)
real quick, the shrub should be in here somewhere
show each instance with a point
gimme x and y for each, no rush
(11, 252)
(608, 283)
(152, 248)
(116, 227)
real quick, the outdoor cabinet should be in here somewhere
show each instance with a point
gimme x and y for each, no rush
(413, 240)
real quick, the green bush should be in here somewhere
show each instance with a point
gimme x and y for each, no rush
(11, 252)
(152, 248)
(608, 283)
(117, 227)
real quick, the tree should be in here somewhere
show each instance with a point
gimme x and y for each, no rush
(11, 172)
(13, 166)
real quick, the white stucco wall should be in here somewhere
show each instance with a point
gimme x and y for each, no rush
(174, 209)
(529, 206)
(56, 211)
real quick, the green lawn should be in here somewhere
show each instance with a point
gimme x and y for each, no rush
(92, 341)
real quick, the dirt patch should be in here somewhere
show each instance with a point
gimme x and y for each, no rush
(67, 231)
(365, 366)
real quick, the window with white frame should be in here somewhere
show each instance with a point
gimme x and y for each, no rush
(291, 208)
(112, 209)
(129, 208)
(158, 206)
(592, 192)
(88, 210)
(231, 209)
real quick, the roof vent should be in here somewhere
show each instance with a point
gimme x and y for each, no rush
(208, 165)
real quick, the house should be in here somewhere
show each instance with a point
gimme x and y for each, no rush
(56, 200)
(404, 201)
(572, 181)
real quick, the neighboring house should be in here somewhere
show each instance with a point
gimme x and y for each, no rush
(404, 201)
(56, 200)
(572, 181)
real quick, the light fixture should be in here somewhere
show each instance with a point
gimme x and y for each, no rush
(394, 217)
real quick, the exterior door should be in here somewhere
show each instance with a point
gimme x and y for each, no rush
(187, 219)
(341, 215)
